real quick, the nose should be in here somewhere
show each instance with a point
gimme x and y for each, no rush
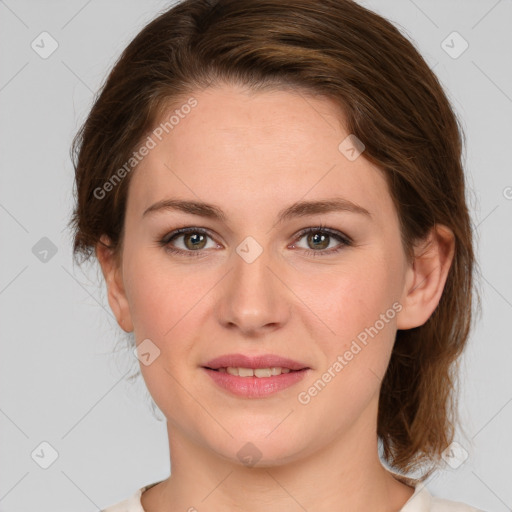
(253, 299)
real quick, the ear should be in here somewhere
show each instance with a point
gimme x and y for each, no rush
(426, 277)
(112, 272)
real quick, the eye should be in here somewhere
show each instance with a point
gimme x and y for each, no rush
(321, 237)
(193, 241)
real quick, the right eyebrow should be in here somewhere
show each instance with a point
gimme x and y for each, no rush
(193, 207)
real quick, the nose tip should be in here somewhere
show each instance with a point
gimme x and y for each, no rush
(252, 297)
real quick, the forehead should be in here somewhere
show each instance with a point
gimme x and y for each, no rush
(240, 147)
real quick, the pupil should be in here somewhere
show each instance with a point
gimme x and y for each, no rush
(194, 238)
(320, 238)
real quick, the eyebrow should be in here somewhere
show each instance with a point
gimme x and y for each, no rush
(298, 209)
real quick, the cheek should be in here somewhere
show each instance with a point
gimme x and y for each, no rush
(164, 304)
(361, 310)
(160, 295)
(353, 298)
(359, 306)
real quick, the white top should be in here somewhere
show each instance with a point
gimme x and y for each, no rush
(420, 501)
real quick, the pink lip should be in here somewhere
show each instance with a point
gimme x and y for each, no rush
(261, 361)
(255, 387)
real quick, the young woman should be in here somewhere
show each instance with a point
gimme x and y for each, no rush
(274, 192)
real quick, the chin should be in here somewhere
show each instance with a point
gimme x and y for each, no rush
(260, 450)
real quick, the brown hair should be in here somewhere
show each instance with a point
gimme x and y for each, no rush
(391, 101)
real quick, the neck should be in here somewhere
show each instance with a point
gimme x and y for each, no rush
(344, 475)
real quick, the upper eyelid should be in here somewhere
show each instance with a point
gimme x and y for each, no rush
(301, 233)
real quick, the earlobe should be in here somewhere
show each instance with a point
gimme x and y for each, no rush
(112, 274)
(426, 277)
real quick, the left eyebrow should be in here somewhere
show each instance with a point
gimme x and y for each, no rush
(336, 204)
(298, 209)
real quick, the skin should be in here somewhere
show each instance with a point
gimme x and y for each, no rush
(253, 154)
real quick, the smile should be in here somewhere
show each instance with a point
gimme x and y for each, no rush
(245, 382)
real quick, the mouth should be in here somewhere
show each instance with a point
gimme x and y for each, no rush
(265, 365)
(260, 373)
(252, 386)
(255, 377)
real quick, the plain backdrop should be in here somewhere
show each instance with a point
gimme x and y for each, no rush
(65, 399)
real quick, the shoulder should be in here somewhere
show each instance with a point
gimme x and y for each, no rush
(441, 505)
(131, 504)
(420, 501)
(423, 501)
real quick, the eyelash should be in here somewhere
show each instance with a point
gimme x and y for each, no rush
(345, 240)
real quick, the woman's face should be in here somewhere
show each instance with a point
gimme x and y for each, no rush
(251, 282)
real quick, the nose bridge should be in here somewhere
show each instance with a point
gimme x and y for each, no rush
(253, 297)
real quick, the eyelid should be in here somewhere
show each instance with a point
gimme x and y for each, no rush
(325, 229)
(176, 233)
(344, 240)
(183, 231)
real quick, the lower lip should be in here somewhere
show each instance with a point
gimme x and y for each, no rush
(256, 387)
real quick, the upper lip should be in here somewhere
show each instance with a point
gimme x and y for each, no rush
(260, 361)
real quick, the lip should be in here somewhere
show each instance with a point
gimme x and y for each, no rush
(255, 387)
(260, 361)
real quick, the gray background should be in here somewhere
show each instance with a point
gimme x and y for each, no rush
(63, 381)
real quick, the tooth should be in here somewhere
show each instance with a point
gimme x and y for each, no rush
(263, 372)
(258, 372)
